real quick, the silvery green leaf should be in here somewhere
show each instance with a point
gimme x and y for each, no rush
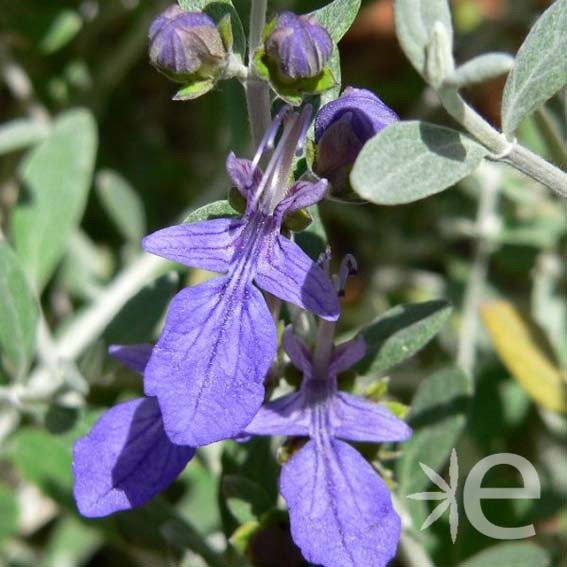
(10, 512)
(337, 17)
(408, 161)
(21, 133)
(213, 210)
(55, 179)
(438, 415)
(401, 332)
(18, 314)
(122, 204)
(217, 10)
(540, 69)
(415, 20)
(482, 68)
(71, 542)
(64, 27)
(510, 554)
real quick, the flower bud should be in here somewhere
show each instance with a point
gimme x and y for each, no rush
(342, 127)
(185, 45)
(298, 46)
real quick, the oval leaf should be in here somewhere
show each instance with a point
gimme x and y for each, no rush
(122, 204)
(337, 17)
(516, 342)
(414, 24)
(21, 133)
(438, 416)
(401, 332)
(55, 180)
(522, 554)
(18, 314)
(540, 69)
(408, 161)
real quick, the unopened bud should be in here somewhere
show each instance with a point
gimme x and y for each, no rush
(298, 46)
(342, 127)
(186, 45)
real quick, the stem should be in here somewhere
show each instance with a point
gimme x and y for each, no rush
(412, 552)
(514, 154)
(485, 227)
(257, 92)
(20, 85)
(539, 169)
(323, 349)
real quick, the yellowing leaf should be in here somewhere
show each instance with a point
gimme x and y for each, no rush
(514, 339)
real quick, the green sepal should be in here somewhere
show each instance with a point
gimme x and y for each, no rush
(297, 221)
(291, 92)
(236, 200)
(397, 408)
(194, 89)
(225, 31)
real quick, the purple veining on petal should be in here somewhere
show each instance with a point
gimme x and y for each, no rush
(346, 355)
(288, 273)
(302, 194)
(208, 366)
(340, 510)
(125, 460)
(209, 245)
(355, 419)
(284, 416)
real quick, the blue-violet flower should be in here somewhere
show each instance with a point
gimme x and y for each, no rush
(127, 458)
(219, 339)
(298, 46)
(342, 127)
(340, 510)
(186, 44)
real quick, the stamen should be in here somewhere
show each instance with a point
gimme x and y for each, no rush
(306, 115)
(348, 268)
(324, 260)
(268, 140)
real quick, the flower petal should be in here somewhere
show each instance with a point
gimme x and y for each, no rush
(340, 510)
(240, 173)
(285, 416)
(125, 460)
(347, 354)
(134, 357)
(287, 272)
(301, 195)
(297, 351)
(208, 367)
(356, 419)
(208, 245)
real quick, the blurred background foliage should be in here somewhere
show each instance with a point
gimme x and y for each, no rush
(157, 158)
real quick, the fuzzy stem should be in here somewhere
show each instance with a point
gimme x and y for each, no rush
(514, 154)
(257, 92)
(484, 229)
(324, 346)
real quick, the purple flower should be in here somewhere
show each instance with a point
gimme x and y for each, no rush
(208, 367)
(342, 127)
(185, 44)
(299, 46)
(127, 458)
(340, 510)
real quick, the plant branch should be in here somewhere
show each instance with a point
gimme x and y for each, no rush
(512, 153)
(485, 229)
(257, 92)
